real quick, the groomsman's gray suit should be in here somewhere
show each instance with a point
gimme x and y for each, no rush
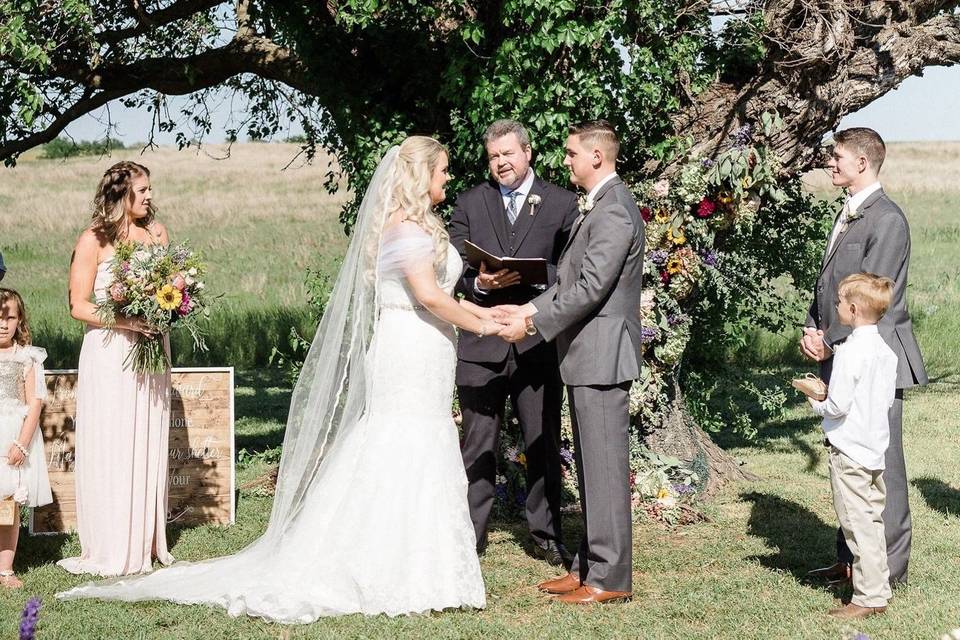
(878, 241)
(593, 312)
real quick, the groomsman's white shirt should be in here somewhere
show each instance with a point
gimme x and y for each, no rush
(853, 203)
(862, 389)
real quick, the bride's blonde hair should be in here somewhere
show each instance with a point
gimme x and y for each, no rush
(417, 159)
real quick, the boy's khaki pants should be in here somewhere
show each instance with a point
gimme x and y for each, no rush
(858, 497)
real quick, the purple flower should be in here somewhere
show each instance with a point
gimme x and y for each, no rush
(742, 136)
(180, 255)
(682, 489)
(521, 498)
(710, 258)
(676, 318)
(707, 163)
(28, 621)
(566, 455)
(648, 334)
(658, 257)
(861, 636)
(501, 491)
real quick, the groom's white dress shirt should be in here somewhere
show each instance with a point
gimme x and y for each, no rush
(862, 388)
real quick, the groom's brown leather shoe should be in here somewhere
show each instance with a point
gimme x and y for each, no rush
(592, 595)
(855, 612)
(563, 584)
(835, 573)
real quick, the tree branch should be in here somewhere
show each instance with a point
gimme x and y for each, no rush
(148, 21)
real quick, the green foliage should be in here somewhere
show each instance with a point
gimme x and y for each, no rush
(61, 148)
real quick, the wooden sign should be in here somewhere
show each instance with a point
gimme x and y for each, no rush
(201, 472)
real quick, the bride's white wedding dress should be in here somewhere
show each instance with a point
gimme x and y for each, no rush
(384, 526)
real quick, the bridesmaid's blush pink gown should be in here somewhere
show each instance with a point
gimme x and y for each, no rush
(122, 430)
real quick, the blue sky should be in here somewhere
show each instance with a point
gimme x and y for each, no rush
(922, 108)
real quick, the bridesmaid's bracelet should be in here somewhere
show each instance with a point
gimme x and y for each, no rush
(23, 449)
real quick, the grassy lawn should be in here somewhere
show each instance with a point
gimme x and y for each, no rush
(739, 575)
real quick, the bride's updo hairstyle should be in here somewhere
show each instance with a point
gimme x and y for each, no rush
(416, 161)
(114, 196)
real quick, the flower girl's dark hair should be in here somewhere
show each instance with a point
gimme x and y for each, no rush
(22, 336)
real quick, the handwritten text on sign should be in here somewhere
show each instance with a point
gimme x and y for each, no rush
(200, 467)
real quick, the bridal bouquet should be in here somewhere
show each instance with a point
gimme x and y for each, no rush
(162, 286)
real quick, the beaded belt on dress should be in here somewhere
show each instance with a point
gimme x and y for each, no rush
(402, 306)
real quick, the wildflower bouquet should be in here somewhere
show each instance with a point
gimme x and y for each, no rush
(162, 286)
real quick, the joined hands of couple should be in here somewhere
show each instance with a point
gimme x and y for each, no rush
(510, 318)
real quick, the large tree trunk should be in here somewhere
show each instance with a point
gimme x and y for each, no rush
(679, 436)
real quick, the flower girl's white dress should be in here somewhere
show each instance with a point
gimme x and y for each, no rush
(30, 477)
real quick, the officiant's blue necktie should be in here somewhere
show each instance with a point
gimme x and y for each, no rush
(512, 206)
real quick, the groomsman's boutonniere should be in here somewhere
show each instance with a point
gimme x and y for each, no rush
(850, 217)
(534, 201)
(585, 204)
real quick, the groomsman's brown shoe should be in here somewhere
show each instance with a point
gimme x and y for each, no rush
(835, 573)
(592, 595)
(563, 584)
(856, 612)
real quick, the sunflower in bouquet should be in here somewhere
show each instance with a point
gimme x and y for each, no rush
(164, 288)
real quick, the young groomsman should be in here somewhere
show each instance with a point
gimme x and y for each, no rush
(856, 426)
(871, 235)
(516, 214)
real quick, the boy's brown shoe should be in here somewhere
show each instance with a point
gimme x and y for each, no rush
(856, 612)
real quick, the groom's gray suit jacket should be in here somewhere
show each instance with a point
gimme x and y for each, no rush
(878, 241)
(593, 310)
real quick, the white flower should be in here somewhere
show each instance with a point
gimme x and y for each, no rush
(667, 502)
(200, 286)
(661, 188)
(192, 271)
(534, 201)
(21, 495)
(952, 635)
(141, 255)
(585, 204)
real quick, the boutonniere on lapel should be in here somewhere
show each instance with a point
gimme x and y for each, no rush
(850, 217)
(585, 204)
(534, 201)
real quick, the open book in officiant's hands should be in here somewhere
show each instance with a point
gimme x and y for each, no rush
(532, 270)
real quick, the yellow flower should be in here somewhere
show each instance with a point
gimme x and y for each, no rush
(662, 216)
(522, 459)
(169, 297)
(674, 265)
(663, 493)
(677, 239)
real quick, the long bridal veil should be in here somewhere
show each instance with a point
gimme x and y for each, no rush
(330, 396)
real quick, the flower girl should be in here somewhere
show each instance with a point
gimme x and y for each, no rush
(23, 472)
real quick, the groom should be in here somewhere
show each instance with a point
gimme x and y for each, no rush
(870, 234)
(593, 311)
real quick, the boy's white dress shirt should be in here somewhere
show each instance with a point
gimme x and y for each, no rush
(862, 389)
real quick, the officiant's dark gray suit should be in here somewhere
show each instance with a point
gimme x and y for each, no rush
(593, 311)
(489, 369)
(877, 241)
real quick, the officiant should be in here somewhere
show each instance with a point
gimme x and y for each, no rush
(513, 214)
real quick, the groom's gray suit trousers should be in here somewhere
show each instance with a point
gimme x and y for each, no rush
(601, 422)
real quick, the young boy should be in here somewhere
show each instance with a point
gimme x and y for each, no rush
(855, 423)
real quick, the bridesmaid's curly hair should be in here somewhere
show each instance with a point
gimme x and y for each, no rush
(22, 336)
(114, 194)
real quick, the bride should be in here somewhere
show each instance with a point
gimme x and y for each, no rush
(370, 514)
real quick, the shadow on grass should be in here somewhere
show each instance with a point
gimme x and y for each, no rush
(801, 539)
(39, 550)
(939, 495)
(270, 401)
(517, 531)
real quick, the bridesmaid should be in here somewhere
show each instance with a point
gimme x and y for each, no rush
(122, 417)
